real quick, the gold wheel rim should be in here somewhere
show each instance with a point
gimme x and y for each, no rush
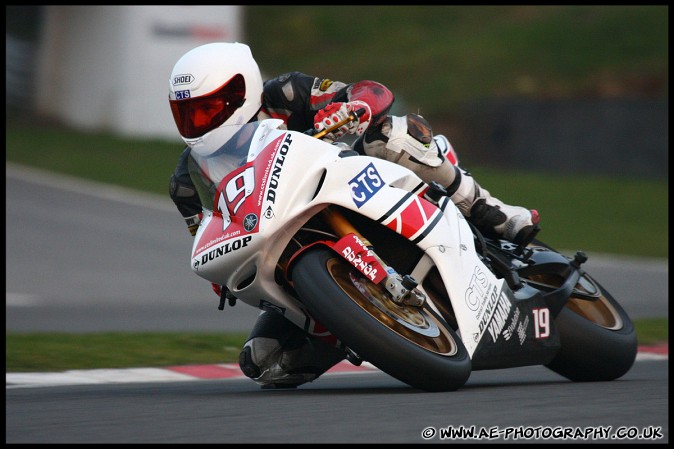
(415, 324)
(600, 311)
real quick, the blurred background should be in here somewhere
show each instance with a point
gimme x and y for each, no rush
(559, 108)
(512, 86)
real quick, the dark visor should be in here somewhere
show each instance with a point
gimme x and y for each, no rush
(196, 116)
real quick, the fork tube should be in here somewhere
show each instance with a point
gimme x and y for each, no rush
(341, 225)
(400, 292)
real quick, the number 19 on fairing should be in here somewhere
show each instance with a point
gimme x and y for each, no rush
(541, 322)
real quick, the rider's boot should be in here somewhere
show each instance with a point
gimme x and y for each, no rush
(409, 141)
(279, 354)
(490, 215)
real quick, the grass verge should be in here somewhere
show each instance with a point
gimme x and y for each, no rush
(52, 352)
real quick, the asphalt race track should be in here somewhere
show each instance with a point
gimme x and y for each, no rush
(348, 408)
(87, 258)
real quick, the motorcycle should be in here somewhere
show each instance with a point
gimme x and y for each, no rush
(361, 250)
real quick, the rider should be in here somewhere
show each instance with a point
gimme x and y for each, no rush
(220, 84)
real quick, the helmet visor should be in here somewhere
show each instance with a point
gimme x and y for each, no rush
(196, 116)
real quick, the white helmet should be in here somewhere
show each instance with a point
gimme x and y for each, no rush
(212, 86)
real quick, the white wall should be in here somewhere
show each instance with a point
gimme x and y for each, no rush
(107, 67)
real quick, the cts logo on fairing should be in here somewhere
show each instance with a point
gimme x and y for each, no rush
(477, 290)
(365, 184)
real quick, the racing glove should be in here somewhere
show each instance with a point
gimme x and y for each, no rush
(336, 112)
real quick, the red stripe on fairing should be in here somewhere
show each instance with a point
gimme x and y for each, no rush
(416, 215)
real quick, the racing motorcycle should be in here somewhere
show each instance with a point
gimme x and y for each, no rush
(361, 250)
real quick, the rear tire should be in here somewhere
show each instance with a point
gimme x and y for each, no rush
(598, 339)
(414, 345)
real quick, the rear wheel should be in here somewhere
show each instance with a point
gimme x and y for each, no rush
(412, 344)
(598, 339)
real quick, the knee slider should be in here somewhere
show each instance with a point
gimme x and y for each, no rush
(414, 135)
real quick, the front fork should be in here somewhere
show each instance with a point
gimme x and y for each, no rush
(402, 288)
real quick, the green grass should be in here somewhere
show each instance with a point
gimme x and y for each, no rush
(36, 352)
(50, 352)
(613, 215)
(652, 330)
(138, 164)
(460, 53)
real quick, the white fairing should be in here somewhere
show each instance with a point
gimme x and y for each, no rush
(259, 207)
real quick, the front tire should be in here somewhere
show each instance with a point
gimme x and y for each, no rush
(412, 344)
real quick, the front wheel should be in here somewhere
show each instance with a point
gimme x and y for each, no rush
(412, 344)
